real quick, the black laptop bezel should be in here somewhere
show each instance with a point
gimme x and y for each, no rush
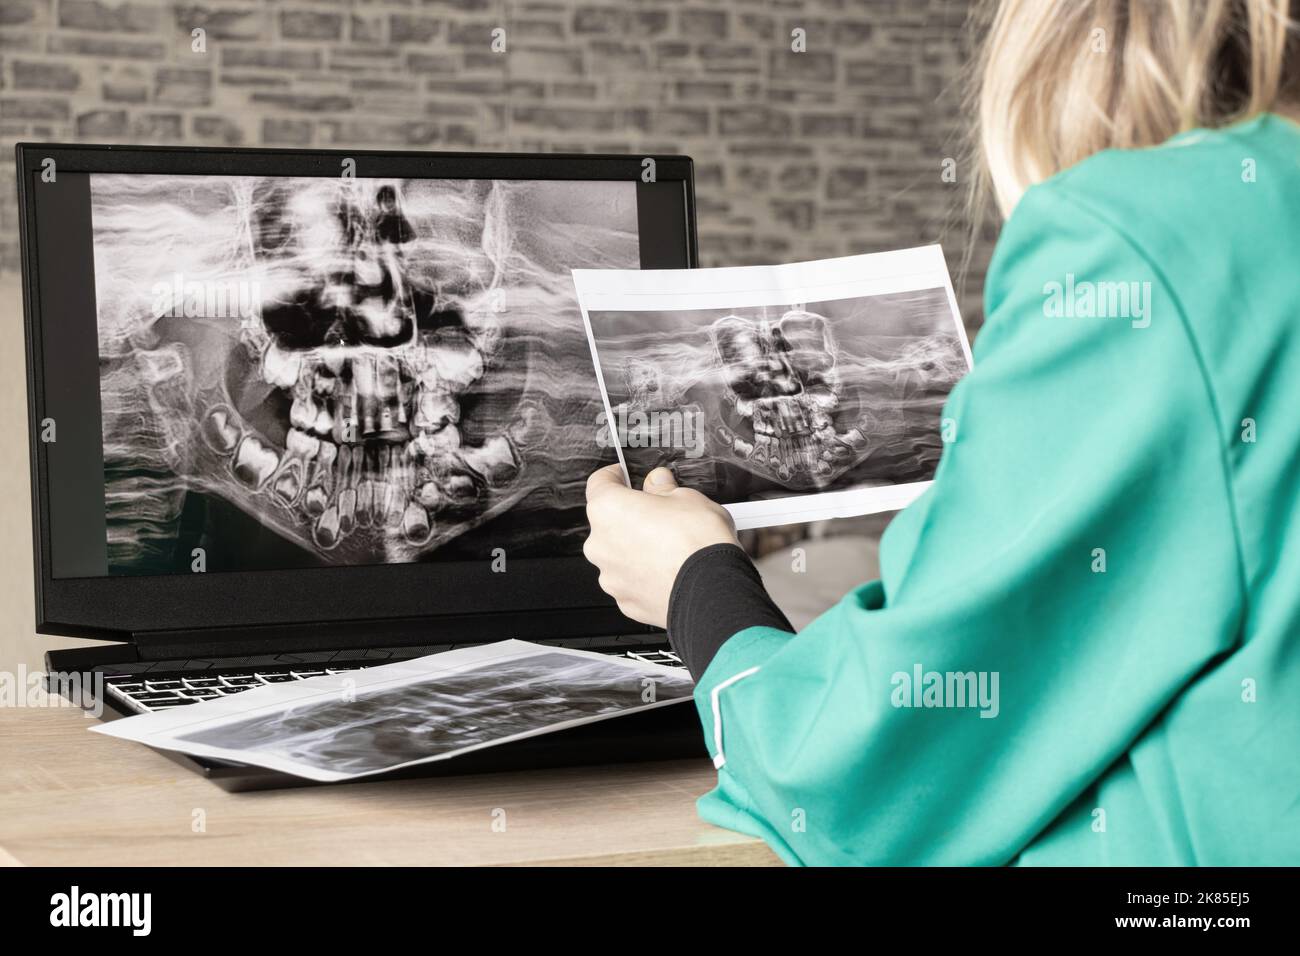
(232, 606)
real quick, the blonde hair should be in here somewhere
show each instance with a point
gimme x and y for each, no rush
(1059, 81)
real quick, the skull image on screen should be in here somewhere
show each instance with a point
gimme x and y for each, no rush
(373, 372)
(354, 406)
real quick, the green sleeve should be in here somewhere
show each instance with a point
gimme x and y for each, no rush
(1075, 560)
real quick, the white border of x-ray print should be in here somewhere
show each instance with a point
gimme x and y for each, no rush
(822, 280)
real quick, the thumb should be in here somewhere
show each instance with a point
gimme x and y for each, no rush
(661, 481)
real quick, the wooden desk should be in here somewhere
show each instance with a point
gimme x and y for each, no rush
(70, 797)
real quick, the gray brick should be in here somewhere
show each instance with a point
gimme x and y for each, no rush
(798, 215)
(222, 21)
(44, 75)
(287, 132)
(648, 23)
(556, 61)
(157, 127)
(367, 28)
(363, 132)
(610, 20)
(102, 124)
(103, 17)
(310, 25)
(126, 89)
(405, 28)
(702, 24)
(612, 56)
(567, 120)
(383, 84)
(846, 182)
(265, 81)
(365, 59)
(727, 58)
(476, 35)
(753, 121)
(108, 47)
(879, 75)
(20, 41)
(267, 58)
(706, 91)
(218, 129)
(787, 66)
(827, 125)
(304, 102)
(537, 31)
(25, 13)
(581, 90)
(798, 177)
(441, 63)
(182, 87)
(43, 108)
(673, 121)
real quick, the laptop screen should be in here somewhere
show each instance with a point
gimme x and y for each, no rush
(280, 372)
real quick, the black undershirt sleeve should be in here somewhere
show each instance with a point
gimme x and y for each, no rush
(717, 593)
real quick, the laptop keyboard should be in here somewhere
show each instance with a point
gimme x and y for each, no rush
(145, 694)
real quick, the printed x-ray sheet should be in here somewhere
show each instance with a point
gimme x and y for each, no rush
(398, 715)
(786, 393)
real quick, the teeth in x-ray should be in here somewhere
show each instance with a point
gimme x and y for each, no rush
(315, 501)
(365, 499)
(334, 359)
(435, 409)
(347, 510)
(377, 501)
(343, 467)
(254, 462)
(457, 363)
(460, 488)
(324, 424)
(415, 524)
(220, 431)
(496, 460)
(280, 368)
(323, 384)
(303, 413)
(288, 482)
(325, 460)
(302, 445)
(429, 496)
(326, 532)
(394, 507)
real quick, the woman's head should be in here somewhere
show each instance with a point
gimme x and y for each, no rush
(1059, 80)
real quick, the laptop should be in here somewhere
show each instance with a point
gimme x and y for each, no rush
(299, 412)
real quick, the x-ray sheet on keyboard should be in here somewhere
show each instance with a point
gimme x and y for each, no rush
(397, 715)
(786, 393)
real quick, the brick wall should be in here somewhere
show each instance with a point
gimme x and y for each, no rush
(832, 151)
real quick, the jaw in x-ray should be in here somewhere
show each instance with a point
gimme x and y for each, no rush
(795, 398)
(782, 388)
(361, 405)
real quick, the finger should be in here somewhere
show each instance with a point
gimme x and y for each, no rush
(603, 479)
(660, 482)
